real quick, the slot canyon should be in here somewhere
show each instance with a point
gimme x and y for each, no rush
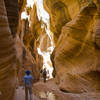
(62, 36)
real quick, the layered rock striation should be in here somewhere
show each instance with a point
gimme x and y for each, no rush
(17, 53)
(7, 54)
(76, 54)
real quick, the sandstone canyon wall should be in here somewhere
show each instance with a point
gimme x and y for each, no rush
(16, 53)
(76, 54)
(27, 41)
(7, 54)
(75, 25)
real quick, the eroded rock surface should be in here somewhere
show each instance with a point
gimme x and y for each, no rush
(27, 41)
(59, 16)
(7, 55)
(45, 42)
(75, 57)
(16, 53)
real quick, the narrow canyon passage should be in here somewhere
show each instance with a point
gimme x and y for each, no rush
(46, 45)
(54, 44)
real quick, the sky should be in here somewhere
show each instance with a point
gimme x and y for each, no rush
(40, 10)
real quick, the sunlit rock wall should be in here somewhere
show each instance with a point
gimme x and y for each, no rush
(38, 30)
(45, 42)
(59, 16)
(76, 54)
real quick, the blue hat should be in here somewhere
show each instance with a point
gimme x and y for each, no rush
(28, 72)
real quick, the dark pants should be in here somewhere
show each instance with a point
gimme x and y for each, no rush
(28, 89)
(44, 78)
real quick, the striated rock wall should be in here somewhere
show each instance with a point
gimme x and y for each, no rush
(16, 53)
(76, 54)
(7, 55)
(12, 14)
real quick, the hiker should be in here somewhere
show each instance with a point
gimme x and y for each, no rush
(28, 81)
(44, 73)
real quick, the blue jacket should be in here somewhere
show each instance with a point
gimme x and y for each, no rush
(28, 80)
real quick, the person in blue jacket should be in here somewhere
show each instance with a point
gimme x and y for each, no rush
(28, 81)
